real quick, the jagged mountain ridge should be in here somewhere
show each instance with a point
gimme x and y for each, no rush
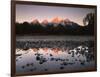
(55, 21)
(56, 26)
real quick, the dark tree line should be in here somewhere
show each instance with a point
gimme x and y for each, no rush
(89, 22)
(68, 29)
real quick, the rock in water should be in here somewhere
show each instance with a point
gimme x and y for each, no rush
(37, 58)
(61, 67)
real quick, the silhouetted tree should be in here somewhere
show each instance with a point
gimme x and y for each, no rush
(89, 23)
(89, 19)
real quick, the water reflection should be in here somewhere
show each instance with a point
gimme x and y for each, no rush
(54, 59)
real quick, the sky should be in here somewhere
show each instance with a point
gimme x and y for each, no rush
(40, 12)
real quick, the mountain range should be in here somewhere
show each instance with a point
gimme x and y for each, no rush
(57, 26)
(55, 21)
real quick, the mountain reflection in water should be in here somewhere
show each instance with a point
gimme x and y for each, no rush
(54, 59)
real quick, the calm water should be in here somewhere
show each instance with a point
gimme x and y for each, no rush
(74, 38)
(54, 59)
